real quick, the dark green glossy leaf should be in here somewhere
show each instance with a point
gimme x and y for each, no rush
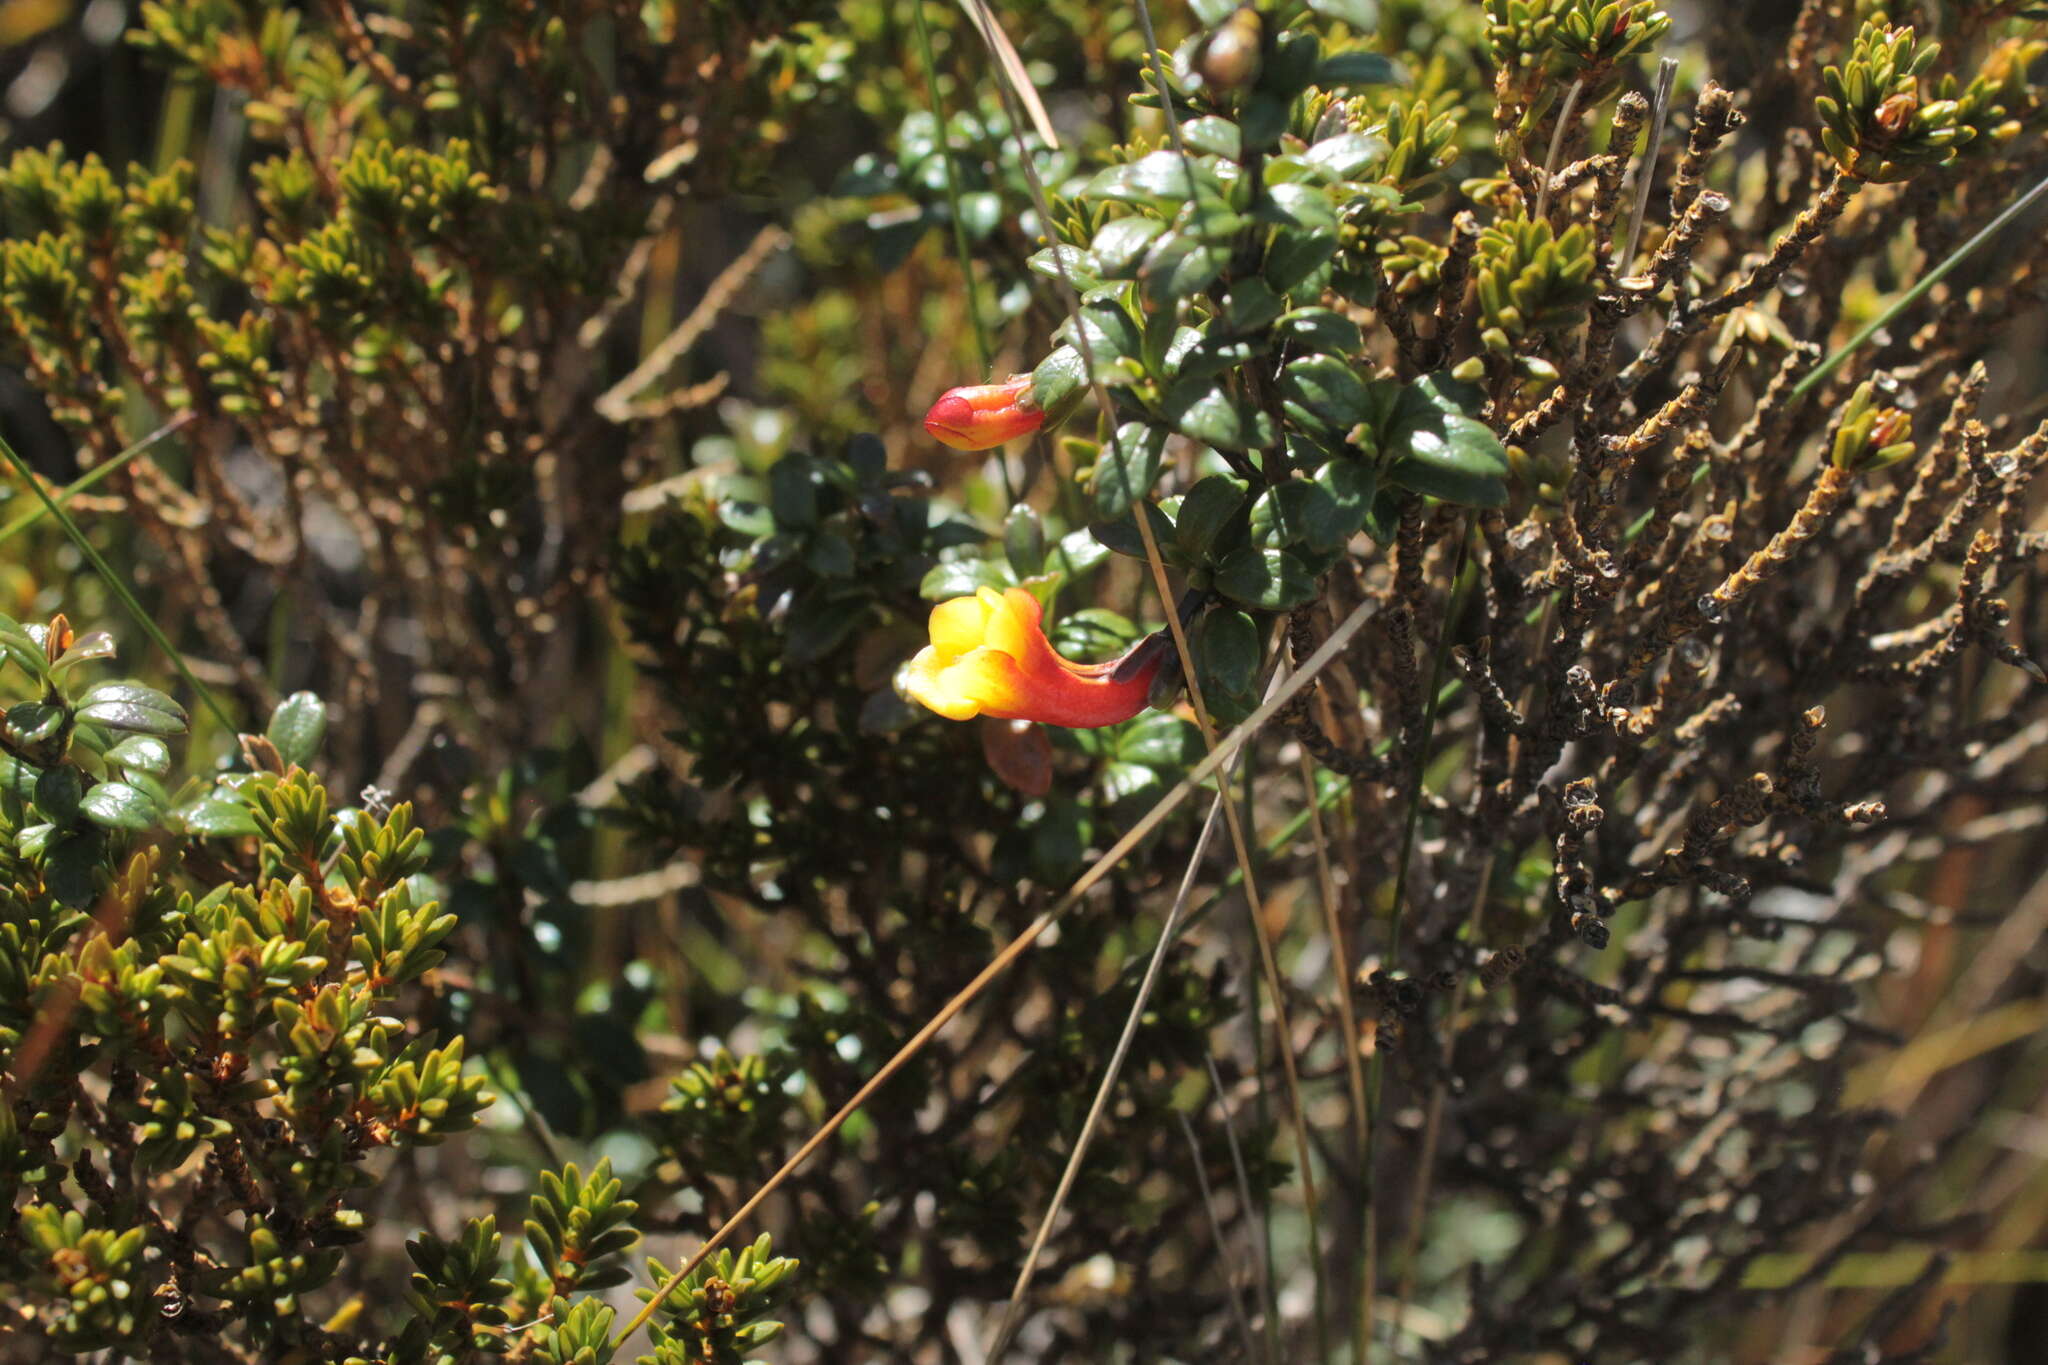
(830, 555)
(1122, 536)
(1120, 246)
(1324, 393)
(1110, 334)
(1226, 647)
(18, 779)
(1297, 513)
(1179, 265)
(218, 817)
(1069, 263)
(118, 805)
(1059, 384)
(1160, 740)
(820, 621)
(1217, 136)
(1347, 156)
(1077, 553)
(1271, 580)
(1319, 329)
(1205, 511)
(143, 753)
(1299, 206)
(58, 793)
(97, 644)
(1213, 356)
(1264, 119)
(1213, 414)
(1351, 486)
(1024, 540)
(1131, 783)
(748, 518)
(1250, 306)
(1297, 255)
(136, 693)
(1128, 468)
(1436, 449)
(792, 493)
(1161, 177)
(1093, 634)
(296, 728)
(32, 721)
(133, 719)
(71, 865)
(980, 212)
(1357, 68)
(960, 577)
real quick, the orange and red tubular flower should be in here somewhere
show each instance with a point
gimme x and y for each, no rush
(988, 657)
(980, 416)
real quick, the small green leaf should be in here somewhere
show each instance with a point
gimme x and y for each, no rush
(1179, 265)
(296, 728)
(58, 793)
(1357, 68)
(1122, 536)
(1347, 156)
(1077, 553)
(34, 721)
(1272, 580)
(117, 805)
(980, 212)
(960, 577)
(129, 717)
(792, 493)
(1350, 485)
(1024, 540)
(1205, 511)
(1128, 468)
(218, 817)
(1069, 263)
(750, 519)
(1059, 384)
(1120, 246)
(1324, 393)
(1217, 136)
(142, 753)
(1297, 513)
(70, 865)
(1435, 448)
(1134, 784)
(1319, 329)
(1159, 178)
(1251, 305)
(1226, 649)
(829, 555)
(1160, 740)
(1215, 415)
(1111, 335)
(820, 621)
(1092, 633)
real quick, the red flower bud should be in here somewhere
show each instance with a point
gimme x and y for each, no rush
(979, 416)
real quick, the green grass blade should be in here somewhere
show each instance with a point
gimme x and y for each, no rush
(113, 580)
(92, 476)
